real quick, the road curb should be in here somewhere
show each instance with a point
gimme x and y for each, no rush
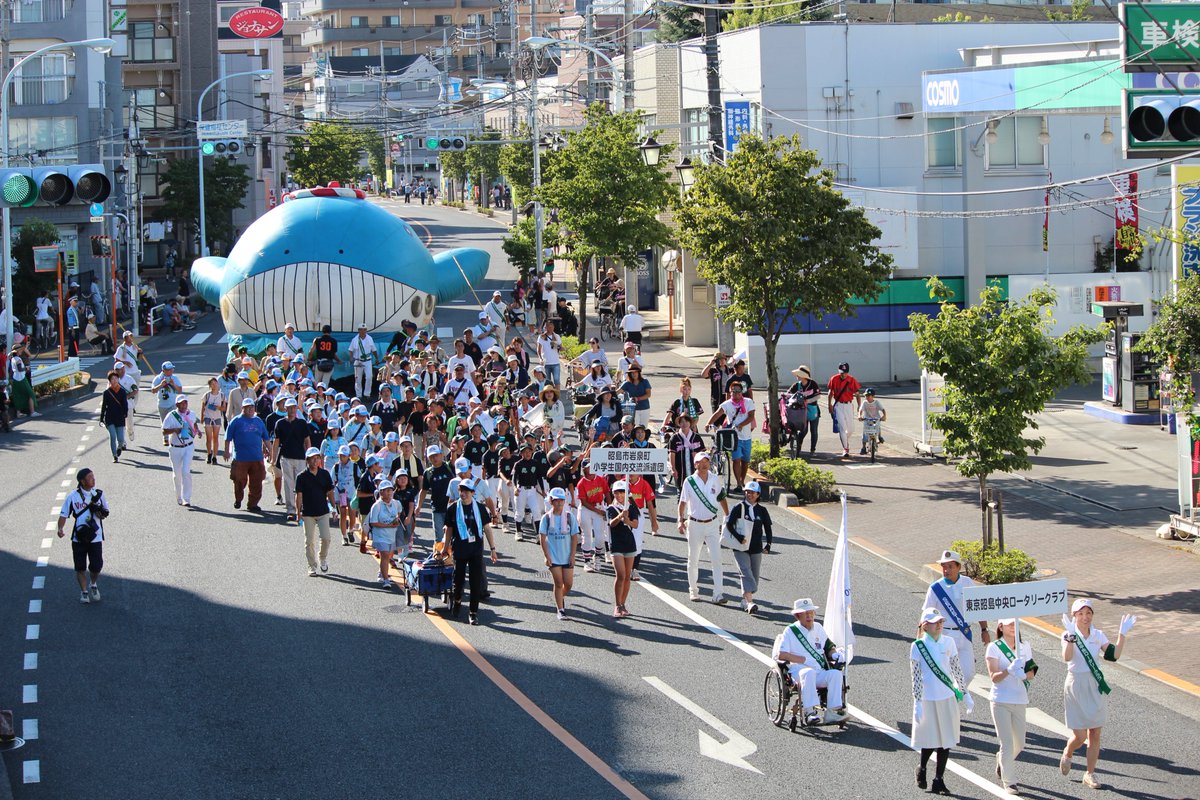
(1131, 665)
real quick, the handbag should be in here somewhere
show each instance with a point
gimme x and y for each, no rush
(743, 529)
(814, 412)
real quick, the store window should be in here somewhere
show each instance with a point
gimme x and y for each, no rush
(1016, 144)
(942, 149)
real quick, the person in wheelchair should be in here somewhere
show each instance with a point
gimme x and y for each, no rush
(814, 662)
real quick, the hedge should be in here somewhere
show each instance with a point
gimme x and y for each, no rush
(993, 567)
(810, 484)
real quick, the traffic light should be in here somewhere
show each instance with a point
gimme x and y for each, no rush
(1159, 124)
(55, 186)
(220, 147)
(437, 143)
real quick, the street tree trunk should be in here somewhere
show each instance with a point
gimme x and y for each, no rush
(770, 342)
(983, 511)
(583, 274)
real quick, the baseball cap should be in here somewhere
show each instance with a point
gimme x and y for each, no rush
(463, 465)
(247, 402)
(291, 403)
(372, 460)
(466, 485)
(272, 385)
(344, 450)
(168, 365)
(360, 411)
(312, 451)
(243, 376)
(180, 399)
(334, 424)
(277, 373)
(620, 486)
(627, 420)
(558, 493)
(386, 485)
(433, 450)
(405, 438)
(753, 486)
(375, 421)
(392, 436)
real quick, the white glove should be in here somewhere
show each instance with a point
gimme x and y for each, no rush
(1017, 668)
(918, 712)
(836, 657)
(970, 702)
(1127, 622)
(1068, 626)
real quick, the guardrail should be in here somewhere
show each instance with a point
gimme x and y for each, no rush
(153, 315)
(44, 374)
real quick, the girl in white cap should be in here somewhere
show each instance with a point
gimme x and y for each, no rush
(559, 534)
(938, 688)
(622, 519)
(1085, 693)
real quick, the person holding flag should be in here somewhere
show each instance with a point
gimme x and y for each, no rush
(813, 662)
(938, 688)
(946, 595)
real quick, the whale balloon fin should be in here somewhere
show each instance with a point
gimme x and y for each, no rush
(208, 276)
(459, 270)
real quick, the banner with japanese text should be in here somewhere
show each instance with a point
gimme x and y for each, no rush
(1185, 180)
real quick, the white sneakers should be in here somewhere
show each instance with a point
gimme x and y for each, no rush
(834, 715)
(1089, 780)
(312, 573)
(694, 596)
(95, 594)
(324, 566)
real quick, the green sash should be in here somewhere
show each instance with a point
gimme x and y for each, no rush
(1090, 660)
(701, 496)
(937, 671)
(1008, 653)
(812, 651)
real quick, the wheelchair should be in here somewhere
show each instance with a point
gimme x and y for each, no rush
(781, 697)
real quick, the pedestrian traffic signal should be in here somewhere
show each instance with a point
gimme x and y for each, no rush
(438, 143)
(55, 186)
(220, 147)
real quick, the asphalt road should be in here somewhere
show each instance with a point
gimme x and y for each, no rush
(216, 668)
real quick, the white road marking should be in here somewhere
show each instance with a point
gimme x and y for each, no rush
(39, 582)
(70, 472)
(224, 339)
(35, 606)
(199, 338)
(54, 510)
(90, 428)
(65, 483)
(32, 772)
(866, 466)
(43, 561)
(1033, 715)
(445, 333)
(81, 448)
(84, 438)
(29, 729)
(854, 711)
(47, 542)
(32, 632)
(51, 525)
(29, 693)
(31, 660)
(733, 752)
(60, 496)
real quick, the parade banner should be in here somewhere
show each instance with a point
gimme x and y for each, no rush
(1032, 599)
(630, 460)
(1186, 215)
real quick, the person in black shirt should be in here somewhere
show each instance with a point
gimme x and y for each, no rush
(466, 526)
(740, 375)
(474, 450)
(386, 408)
(507, 491)
(314, 498)
(404, 408)
(472, 347)
(622, 516)
(407, 460)
(527, 475)
(323, 355)
(436, 484)
(406, 495)
(562, 472)
(504, 434)
(292, 439)
(318, 426)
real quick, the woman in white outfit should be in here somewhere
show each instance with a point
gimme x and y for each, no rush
(1085, 700)
(938, 688)
(1010, 667)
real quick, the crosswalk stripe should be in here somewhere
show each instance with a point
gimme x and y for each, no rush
(199, 338)
(224, 339)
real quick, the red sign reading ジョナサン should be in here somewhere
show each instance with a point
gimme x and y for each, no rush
(256, 23)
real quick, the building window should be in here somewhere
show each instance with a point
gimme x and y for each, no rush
(265, 149)
(475, 20)
(391, 22)
(150, 179)
(942, 143)
(359, 51)
(358, 22)
(147, 44)
(442, 20)
(40, 10)
(44, 80)
(1016, 144)
(393, 51)
(422, 85)
(55, 140)
(695, 133)
(499, 17)
(154, 109)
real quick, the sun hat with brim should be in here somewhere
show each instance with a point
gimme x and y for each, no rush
(802, 605)
(930, 615)
(802, 372)
(1079, 604)
(386, 485)
(948, 556)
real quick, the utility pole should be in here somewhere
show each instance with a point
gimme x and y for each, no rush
(627, 42)
(514, 39)
(712, 67)
(589, 33)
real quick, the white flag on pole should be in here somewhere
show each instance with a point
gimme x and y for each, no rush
(838, 620)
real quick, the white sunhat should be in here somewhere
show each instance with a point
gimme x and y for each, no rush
(700, 457)
(948, 556)
(802, 605)
(463, 465)
(930, 615)
(247, 402)
(344, 450)
(386, 485)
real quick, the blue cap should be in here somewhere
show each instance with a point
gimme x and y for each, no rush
(306, 382)
(375, 421)
(243, 376)
(272, 385)
(392, 437)
(360, 411)
(372, 461)
(344, 450)
(343, 408)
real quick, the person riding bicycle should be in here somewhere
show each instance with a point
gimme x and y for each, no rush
(871, 409)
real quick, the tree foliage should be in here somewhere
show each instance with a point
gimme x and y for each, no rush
(27, 284)
(483, 162)
(1001, 365)
(748, 13)
(376, 147)
(518, 245)
(225, 185)
(325, 152)
(677, 23)
(516, 165)
(1173, 340)
(770, 225)
(604, 194)
(454, 167)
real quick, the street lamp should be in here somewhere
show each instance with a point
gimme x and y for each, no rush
(258, 73)
(651, 150)
(102, 45)
(687, 173)
(536, 43)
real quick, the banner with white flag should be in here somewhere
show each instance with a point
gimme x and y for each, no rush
(838, 620)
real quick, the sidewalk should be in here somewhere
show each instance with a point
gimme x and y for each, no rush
(1087, 510)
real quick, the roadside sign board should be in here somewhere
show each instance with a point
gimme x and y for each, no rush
(45, 259)
(222, 129)
(1032, 599)
(630, 460)
(1158, 36)
(724, 296)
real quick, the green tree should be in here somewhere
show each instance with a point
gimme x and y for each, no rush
(516, 165)
(605, 195)
(483, 163)
(225, 185)
(518, 245)
(376, 148)
(1001, 365)
(326, 152)
(1173, 340)
(27, 284)
(748, 13)
(770, 225)
(1078, 13)
(454, 167)
(677, 23)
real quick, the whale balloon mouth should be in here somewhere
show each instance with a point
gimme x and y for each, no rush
(312, 294)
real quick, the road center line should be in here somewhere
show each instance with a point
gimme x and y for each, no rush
(854, 711)
(32, 772)
(31, 660)
(39, 582)
(532, 709)
(35, 606)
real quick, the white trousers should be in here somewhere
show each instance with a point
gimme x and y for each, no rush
(593, 528)
(129, 421)
(700, 534)
(845, 420)
(527, 500)
(314, 528)
(1010, 732)
(641, 417)
(181, 469)
(289, 468)
(810, 679)
(363, 375)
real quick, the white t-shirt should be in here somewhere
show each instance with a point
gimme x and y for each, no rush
(632, 323)
(788, 643)
(589, 357)
(1011, 689)
(735, 417)
(1095, 642)
(548, 345)
(43, 309)
(362, 348)
(467, 362)
(77, 503)
(955, 592)
(19, 371)
(712, 491)
(290, 347)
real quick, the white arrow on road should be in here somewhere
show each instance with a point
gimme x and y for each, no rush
(734, 751)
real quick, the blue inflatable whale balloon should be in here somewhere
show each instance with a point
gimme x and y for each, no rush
(327, 256)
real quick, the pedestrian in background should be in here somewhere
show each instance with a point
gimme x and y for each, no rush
(181, 429)
(559, 535)
(292, 440)
(249, 437)
(130, 385)
(1010, 667)
(466, 527)
(845, 393)
(165, 387)
(114, 411)
(809, 392)
(623, 517)
(86, 504)
(702, 505)
(20, 380)
(314, 499)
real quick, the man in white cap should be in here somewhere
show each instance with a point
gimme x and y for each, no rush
(436, 484)
(289, 344)
(180, 427)
(702, 510)
(243, 391)
(946, 595)
(484, 331)
(165, 386)
(811, 657)
(363, 354)
(466, 527)
(248, 435)
(292, 441)
(130, 385)
(128, 352)
(314, 499)
(497, 313)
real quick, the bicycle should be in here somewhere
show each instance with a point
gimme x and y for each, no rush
(871, 431)
(724, 441)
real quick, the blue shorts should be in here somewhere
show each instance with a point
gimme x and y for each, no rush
(742, 451)
(383, 539)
